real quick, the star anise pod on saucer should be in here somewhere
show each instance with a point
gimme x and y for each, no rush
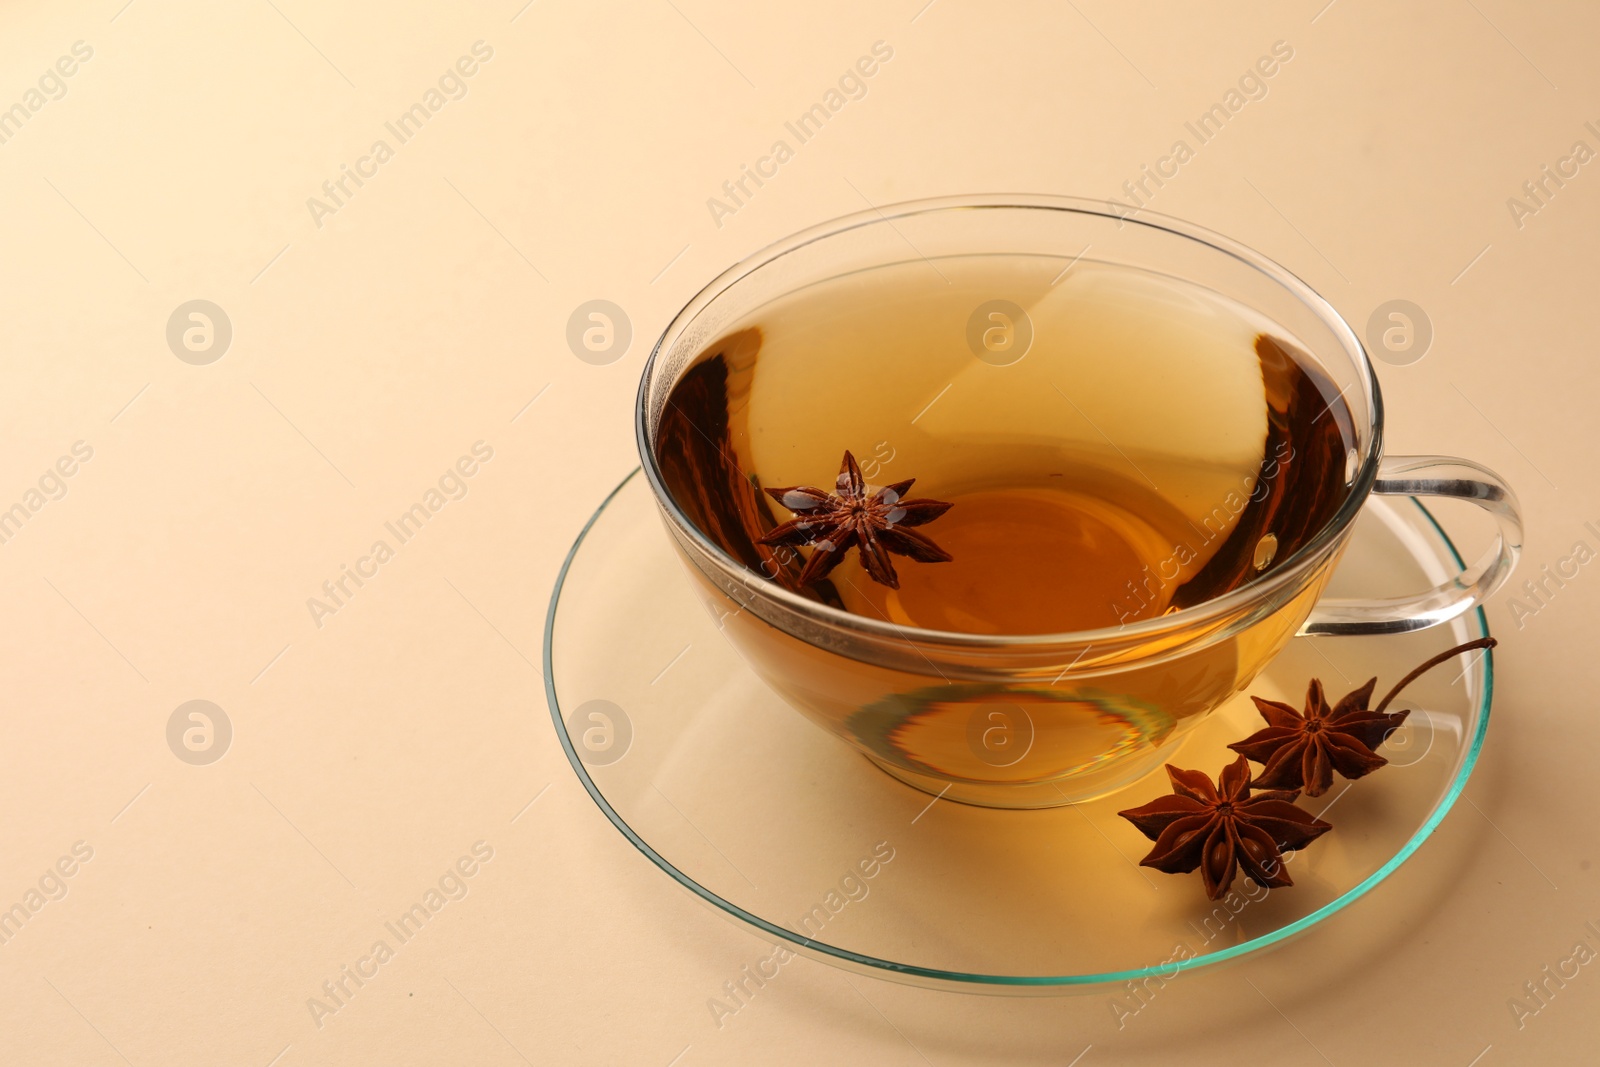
(1222, 828)
(875, 525)
(1301, 750)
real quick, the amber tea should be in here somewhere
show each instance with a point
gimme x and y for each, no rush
(1116, 445)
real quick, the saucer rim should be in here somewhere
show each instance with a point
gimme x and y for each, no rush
(971, 982)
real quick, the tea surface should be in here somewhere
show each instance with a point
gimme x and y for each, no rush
(1129, 445)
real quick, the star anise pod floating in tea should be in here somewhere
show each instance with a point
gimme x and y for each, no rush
(1222, 828)
(876, 525)
(1301, 750)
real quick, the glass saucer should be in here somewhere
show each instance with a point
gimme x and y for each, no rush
(787, 831)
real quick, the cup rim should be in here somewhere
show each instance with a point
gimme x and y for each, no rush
(1255, 589)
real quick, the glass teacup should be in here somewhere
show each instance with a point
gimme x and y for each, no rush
(1031, 718)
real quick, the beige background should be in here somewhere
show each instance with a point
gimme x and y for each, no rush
(430, 309)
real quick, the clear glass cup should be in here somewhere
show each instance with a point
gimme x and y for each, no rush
(1037, 720)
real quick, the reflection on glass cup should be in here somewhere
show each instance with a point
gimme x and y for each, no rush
(1156, 450)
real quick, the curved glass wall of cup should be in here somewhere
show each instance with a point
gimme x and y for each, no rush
(1062, 229)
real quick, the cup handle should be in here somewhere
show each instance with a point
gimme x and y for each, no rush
(1432, 476)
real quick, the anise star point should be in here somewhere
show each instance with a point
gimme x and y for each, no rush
(875, 525)
(1222, 829)
(1301, 750)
